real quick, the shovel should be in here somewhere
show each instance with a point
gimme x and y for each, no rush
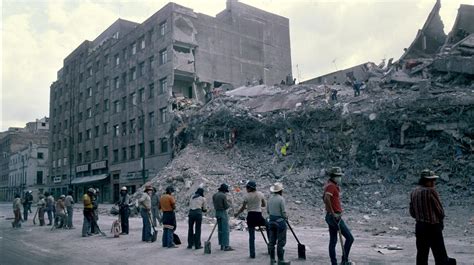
(342, 246)
(34, 217)
(207, 244)
(154, 235)
(301, 247)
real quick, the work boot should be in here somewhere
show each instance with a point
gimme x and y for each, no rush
(283, 262)
(271, 252)
(228, 248)
(280, 254)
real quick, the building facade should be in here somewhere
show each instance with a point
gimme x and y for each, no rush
(111, 105)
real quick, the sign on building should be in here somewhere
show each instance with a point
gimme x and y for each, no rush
(99, 165)
(82, 168)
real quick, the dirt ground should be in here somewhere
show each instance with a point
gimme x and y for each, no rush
(39, 245)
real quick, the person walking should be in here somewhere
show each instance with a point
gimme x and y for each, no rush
(88, 212)
(49, 207)
(17, 211)
(27, 200)
(332, 202)
(124, 209)
(95, 211)
(60, 212)
(155, 212)
(221, 204)
(144, 203)
(253, 202)
(427, 210)
(69, 203)
(277, 224)
(197, 206)
(167, 205)
(41, 208)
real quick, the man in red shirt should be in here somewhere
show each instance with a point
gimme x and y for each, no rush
(332, 202)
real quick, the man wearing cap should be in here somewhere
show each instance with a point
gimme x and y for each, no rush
(95, 208)
(253, 202)
(124, 209)
(41, 207)
(88, 212)
(60, 211)
(17, 211)
(426, 208)
(50, 207)
(167, 206)
(69, 203)
(197, 205)
(155, 211)
(277, 225)
(332, 201)
(221, 204)
(28, 199)
(144, 203)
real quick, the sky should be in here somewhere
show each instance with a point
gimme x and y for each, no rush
(326, 36)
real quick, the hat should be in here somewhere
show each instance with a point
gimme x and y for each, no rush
(428, 174)
(200, 191)
(29, 191)
(224, 188)
(276, 187)
(334, 172)
(91, 190)
(251, 184)
(148, 187)
(124, 188)
(62, 196)
(169, 189)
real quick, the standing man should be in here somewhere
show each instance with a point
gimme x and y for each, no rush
(277, 223)
(88, 212)
(144, 202)
(95, 208)
(69, 202)
(197, 206)
(155, 212)
(167, 206)
(332, 201)
(426, 208)
(27, 205)
(17, 211)
(124, 209)
(253, 202)
(221, 204)
(60, 212)
(49, 206)
(41, 207)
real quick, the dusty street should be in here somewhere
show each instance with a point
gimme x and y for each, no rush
(39, 245)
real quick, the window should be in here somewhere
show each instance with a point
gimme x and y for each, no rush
(124, 128)
(163, 112)
(125, 54)
(133, 125)
(124, 78)
(87, 157)
(132, 152)
(79, 137)
(88, 134)
(106, 82)
(59, 162)
(116, 35)
(97, 87)
(89, 71)
(65, 161)
(133, 98)
(133, 74)
(151, 90)
(116, 106)
(163, 56)
(134, 48)
(96, 131)
(141, 94)
(79, 158)
(116, 82)
(141, 69)
(105, 128)
(117, 59)
(141, 149)
(151, 119)
(124, 103)
(142, 42)
(151, 63)
(96, 154)
(39, 177)
(40, 155)
(163, 85)
(150, 35)
(163, 28)
(89, 92)
(106, 59)
(79, 116)
(106, 105)
(59, 145)
(97, 65)
(124, 154)
(116, 155)
(116, 130)
(164, 145)
(89, 112)
(152, 147)
(105, 152)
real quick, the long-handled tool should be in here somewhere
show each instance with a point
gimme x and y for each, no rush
(154, 235)
(207, 244)
(342, 246)
(263, 235)
(301, 247)
(94, 222)
(34, 217)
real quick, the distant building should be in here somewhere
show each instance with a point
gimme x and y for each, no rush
(13, 141)
(112, 100)
(359, 72)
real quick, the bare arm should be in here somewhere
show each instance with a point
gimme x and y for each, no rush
(328, 204)
(244, 206)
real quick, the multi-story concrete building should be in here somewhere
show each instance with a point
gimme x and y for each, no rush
(14, 140)
(110, 106)
(28, 171)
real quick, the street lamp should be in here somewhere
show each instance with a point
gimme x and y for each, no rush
(142, 151)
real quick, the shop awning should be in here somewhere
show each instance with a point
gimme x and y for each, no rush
(89, 179)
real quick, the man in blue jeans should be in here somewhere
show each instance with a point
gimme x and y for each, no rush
(221, 204)
(332, 201)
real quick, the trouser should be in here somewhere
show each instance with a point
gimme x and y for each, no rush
(194, 228)
(94, 228)
(430, 236)
(88, 222)
(124, 214)
(346, 233)
(169, 226)
(26, 209)
(277, 236)
(60, 220)
(155, 215)
(70, 211)
(146, 230)
(17, 221)
(222, 228)
(356, 92)
(254, 219)
(50, 215)
(41, 216)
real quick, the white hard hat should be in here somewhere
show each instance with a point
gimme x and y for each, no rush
(124, 188)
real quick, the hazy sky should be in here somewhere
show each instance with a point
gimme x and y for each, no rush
(325, 35)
